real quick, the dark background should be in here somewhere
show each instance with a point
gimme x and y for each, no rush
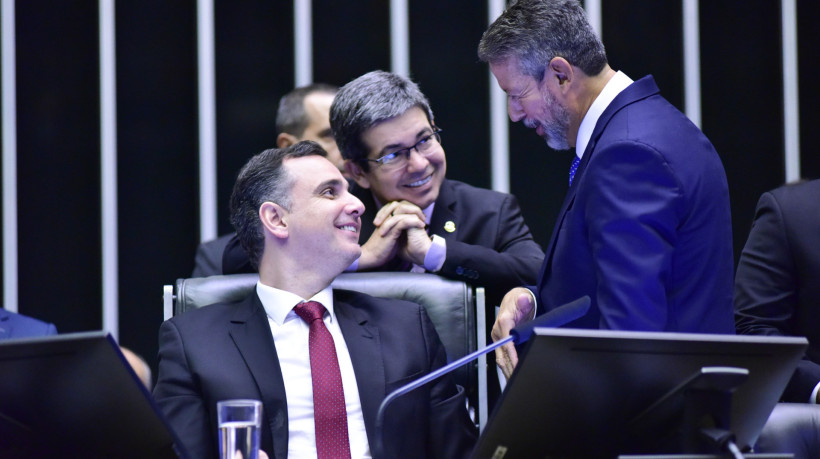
(158, 205)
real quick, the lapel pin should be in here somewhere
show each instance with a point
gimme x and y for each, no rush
(449, 227)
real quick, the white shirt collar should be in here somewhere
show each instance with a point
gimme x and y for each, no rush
(613, 87)
(278, 303)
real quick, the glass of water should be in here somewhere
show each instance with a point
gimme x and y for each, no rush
(239, 423)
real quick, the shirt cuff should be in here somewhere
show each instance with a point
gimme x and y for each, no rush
(436, 254)
(813, 399)
(534, 303)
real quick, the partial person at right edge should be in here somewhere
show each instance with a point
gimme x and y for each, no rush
(777, 285)
(645, 228)
(303, 114)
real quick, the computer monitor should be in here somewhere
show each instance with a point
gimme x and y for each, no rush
(577, 393)
(75, 395)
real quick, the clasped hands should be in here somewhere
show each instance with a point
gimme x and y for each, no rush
(400, 230)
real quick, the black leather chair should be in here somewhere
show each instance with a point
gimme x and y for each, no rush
(455, 308)
(792, 428)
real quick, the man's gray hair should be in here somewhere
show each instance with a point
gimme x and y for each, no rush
(536, 31)
(368, 100)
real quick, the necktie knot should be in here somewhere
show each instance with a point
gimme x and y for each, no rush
(310, 311)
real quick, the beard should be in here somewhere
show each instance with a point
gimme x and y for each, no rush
(555, 130)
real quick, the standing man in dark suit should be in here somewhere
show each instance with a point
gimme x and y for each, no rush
(300, 225)
(414, 218)
(13, 325)
(645, 228)
(777, 286)
(303, 114)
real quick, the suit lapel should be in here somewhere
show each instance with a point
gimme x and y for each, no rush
(444, 213)
(251, 333)
(364, 345)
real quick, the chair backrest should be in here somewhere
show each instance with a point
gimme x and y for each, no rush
(452, 306)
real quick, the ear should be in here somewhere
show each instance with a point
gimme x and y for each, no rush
(355, 172)
(285, 140)
(274, 219)
(562, 72)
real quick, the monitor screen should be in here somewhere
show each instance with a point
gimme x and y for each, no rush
(577, 393)
(75, 395)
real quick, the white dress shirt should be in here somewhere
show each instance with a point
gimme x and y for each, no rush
(290, 336)
(613, 87)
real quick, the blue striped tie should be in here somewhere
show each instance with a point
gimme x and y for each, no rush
(575, 161)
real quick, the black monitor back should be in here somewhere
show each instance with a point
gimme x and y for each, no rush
(75, 395)
(575, 393)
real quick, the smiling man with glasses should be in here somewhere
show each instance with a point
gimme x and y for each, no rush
(415, 219)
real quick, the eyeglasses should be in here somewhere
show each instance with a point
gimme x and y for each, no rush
(398, 159)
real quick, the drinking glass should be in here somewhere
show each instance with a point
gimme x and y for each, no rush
(239, 423)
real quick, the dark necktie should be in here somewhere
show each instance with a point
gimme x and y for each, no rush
(574, 167)
(329, 413)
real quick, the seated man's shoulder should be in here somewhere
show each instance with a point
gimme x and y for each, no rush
(212, 314)
(14, 325)
(486, 196)
(378, 308)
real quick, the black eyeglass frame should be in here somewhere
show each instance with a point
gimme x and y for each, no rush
(382, 161)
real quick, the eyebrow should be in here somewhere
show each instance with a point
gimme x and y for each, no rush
(334, 183)
(398, 146)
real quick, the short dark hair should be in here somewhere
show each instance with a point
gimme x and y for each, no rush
(536, 31)
(369, 100)
(264, 179)
(290, 116)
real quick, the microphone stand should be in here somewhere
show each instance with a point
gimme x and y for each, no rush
(555, 318)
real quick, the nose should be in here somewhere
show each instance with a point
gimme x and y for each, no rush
(355, 205)
(515, 110)
(416, 161)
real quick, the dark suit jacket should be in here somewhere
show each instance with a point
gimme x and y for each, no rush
(777, 287)
(226, 351)
(489, 246)
(645, 229)
(13, 325)
(208, 259)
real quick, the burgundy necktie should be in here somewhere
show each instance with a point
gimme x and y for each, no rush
(329, 412)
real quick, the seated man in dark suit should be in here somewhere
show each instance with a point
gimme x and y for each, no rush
(303, 114)
(414, 218)
(295, 217)
(13, 325)
(777, 285)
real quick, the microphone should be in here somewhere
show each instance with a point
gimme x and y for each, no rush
(555, 318)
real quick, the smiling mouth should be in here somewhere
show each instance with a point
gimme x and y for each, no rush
(351, 228)
(421, 182)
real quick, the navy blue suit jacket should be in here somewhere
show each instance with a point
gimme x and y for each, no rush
(645, 229)
(13, 325)
(226, 351)
(777, 287)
